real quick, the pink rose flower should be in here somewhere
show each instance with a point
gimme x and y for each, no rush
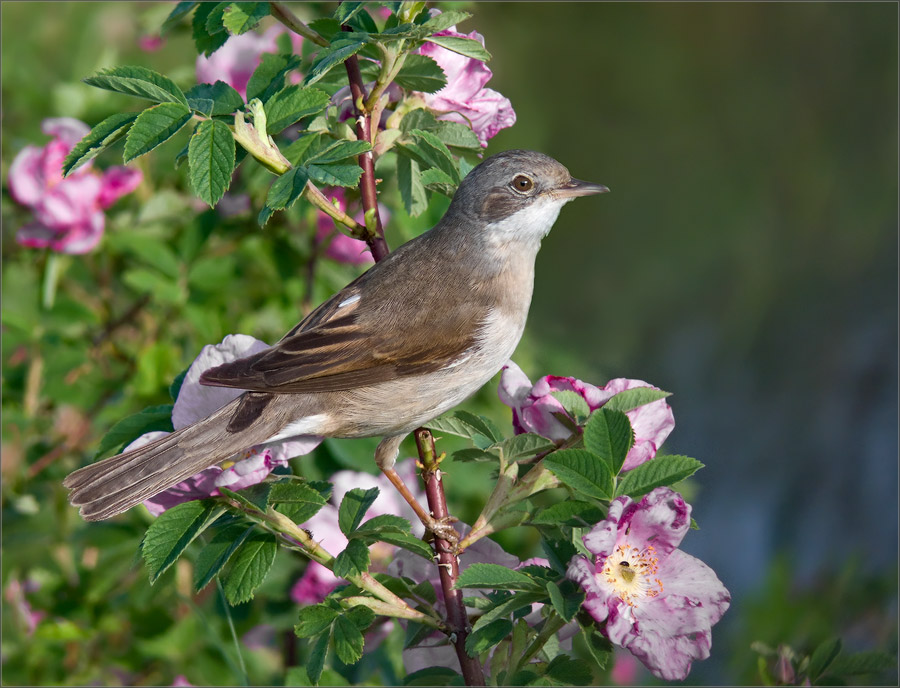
(465, 99)
(235, 62)
(195, 402)
(650, 598)
(341, 247)
(534, 407)
(68, 212)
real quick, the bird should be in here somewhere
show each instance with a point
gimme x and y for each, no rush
(412, 337)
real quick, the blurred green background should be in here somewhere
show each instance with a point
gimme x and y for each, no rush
(746, 260)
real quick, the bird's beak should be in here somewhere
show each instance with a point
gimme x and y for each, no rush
(576, 187)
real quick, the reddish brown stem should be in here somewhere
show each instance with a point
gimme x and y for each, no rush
(376, 241)
(448, 563)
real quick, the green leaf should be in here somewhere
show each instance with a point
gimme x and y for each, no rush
(348, 640)
(154, 126)
(298, 151)
(629, 399)
(340, 150)
(173, 530)
(211, 160)
(182, 9)
(487, 636)
(175, 387)
(436, 153)
(268, 78)
(438, 180)
(582, 471)
(419, 118)
(506, 605)
(130, 428)
(459, 135)
(464, 46)
(573, 403)
(568, 513)
(663, 470)
(316, 661)
(298, 501)
(335, 175)
(868, 662)
(154, 283)
(99, 138)
(823, 656)
(353, 508)
(287, 188)
(332, 56)
(568, 672)
(215, 555)
(209, 41)
(249, 567)
(383, 523)
(524, 446)
(140, 82)
(497, 577)
(566, 598)
(408, 542)
(464, 424)
(421, 73)
(292, 104)
(214, 99)
(353, 561)
(608, 434)
(474, 454)
(412, 191)
(240, 17)
(445, 20)
(433, 676)
(314, 619)
(361, 616)
(254, 497)
(347, 10)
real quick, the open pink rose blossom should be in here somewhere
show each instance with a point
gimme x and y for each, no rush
(68, 212)
(534, 407)
(647, 596)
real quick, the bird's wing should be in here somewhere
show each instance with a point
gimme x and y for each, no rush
(355, 339)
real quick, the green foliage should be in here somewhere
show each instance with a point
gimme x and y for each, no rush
(129, 429)
(98, 139)
(140, 82)
(211, 160)
(662, 470)
(609, 435)
(583, 471)
(214, 99)
(240, 17)
(170, 534)
(154, 126)
(249, 567)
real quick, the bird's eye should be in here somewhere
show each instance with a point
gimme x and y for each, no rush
(522, 183)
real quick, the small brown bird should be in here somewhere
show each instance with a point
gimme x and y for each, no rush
(412, 337)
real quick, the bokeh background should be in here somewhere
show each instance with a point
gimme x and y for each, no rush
(746, 260)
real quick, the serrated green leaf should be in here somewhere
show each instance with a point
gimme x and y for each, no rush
(215, 555)
(173, 530)
(474, 454)
(339, 150)
(465, 424)
(182, 9)
(353, 561)
(464, 46)
(524, 446)
(506, 605)
(287, 188)
(573, 403)
(346, 11)
(481, 423)
(566, 598)
(459, 135)
(97, 139)
(361, 616)
(138, 81)
(497, 577)
(568, 513)
(335, 175)
(314, 619)
(598, 645)
(298, 501)
(154, 126)
(291, 104)
(353, 508)
(418, 119)
(823, 656)
(298, 151)
(582, 471)
(130, 428)
(211, 160)
(663, 470)
(629, 399)
(207, 41)
(445, 20)
(330, 57)
(438, 180)
(421, 73)
(215, 21)
(255, 497)
(487, 636)
(412, 192)
(408, 542)
(432, 676)
(268, 78)
(383, 523)
(437, 154)
(316, 661)
(249, 567)
(240, 17)
(214, 99)
(867, 662)
(348, 640)
(608, 434)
